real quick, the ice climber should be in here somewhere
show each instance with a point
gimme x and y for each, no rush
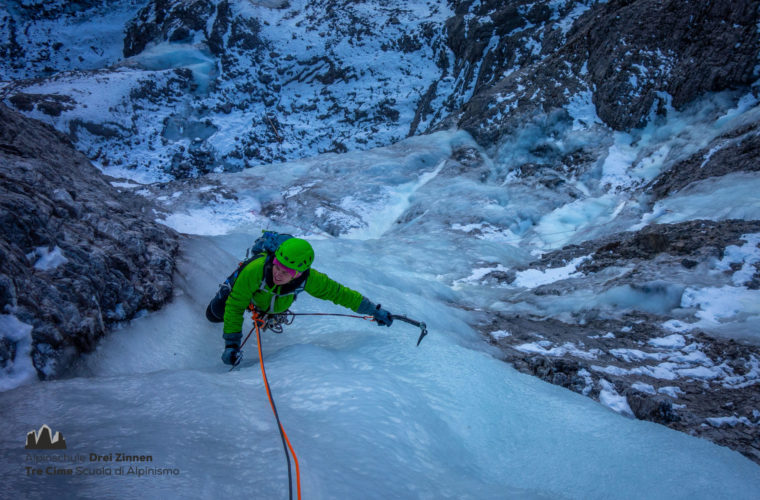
(270, 282)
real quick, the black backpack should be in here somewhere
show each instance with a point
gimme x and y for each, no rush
(265, 245)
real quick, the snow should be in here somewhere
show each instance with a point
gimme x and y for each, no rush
(608, 335)
(748, 255)
(125, 184)
(637, 157)
(689, 362)
(477, 275)
(566, 22)
(630, 355)
(663, 371)
(701, 372)
(620, 157)
(727, 309)
(645, 388)
(675, 325)
(674, 341)
(671, 391)
(709, 154)
(531, 278)
(566, 348)
(47, 259)
(676, 359)
(19, 369)
(610, 398)
(730, 421)
(500, 334)
(583, 111)
(588, 381)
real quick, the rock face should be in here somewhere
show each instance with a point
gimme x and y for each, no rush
(76, 255)
(633, 57)
(735, 152)
(671, 244)
(695, 383)
(298, 78)
(668, 371)
(488, 67)
(688, 50)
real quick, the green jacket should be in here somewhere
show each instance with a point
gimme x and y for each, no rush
(274, 298)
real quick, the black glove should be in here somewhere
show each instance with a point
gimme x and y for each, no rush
(230, 356)
(231, 352)
(382, 317)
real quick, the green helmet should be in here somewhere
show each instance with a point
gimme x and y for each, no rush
(295, 253)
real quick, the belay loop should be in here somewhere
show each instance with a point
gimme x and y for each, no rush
(275, 322)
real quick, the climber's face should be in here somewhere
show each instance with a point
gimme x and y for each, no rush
(282, 274)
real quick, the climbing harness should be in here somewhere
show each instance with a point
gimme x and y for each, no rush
(275, 322)
(262, 322)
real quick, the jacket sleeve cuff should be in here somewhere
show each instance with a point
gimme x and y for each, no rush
(366, 307)
(232, 339)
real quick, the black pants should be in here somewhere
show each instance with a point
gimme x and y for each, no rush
(215, 309)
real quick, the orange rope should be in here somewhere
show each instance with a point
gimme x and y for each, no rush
(257, 322)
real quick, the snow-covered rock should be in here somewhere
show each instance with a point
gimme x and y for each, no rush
(77, 255)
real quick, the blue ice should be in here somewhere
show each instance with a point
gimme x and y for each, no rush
(367, 412)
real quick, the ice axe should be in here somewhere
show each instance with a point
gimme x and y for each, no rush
(421, 325)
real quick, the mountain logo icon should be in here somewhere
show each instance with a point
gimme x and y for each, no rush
(44, 440)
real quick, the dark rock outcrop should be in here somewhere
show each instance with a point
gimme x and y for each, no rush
(736, 152)
(686, 379)
(634, 56)
(113, 260)
(697, 240)
(706, 387)
(686, 49)
(165, 20)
